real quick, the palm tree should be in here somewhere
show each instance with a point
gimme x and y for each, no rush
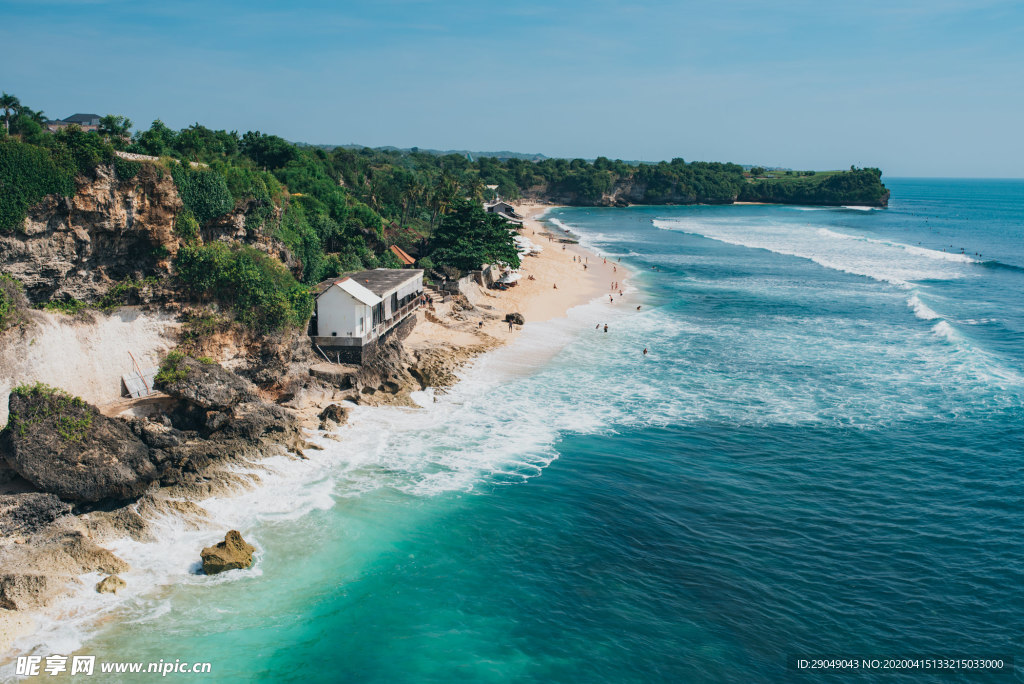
(9, 104)
(445, 192)
(475, 189)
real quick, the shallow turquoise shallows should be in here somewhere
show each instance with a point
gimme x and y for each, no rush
(822, 454)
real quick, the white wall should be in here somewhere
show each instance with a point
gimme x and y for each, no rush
(411, 287)
(339, 312)
(85, 358)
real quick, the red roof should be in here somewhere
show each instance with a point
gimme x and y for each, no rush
(405, 258)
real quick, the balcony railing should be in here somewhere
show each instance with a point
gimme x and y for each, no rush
(397, 316)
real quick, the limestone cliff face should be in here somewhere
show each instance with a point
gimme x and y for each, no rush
(114, 229)
(111, 229)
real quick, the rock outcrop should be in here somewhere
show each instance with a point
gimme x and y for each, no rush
(36, 571)
(333, 416)
(208, 386)
(77, 246)
(64, 446)
(516, 318)
(29, 512)
(234, 553)
(111, 584)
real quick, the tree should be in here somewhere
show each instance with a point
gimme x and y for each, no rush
(268, 151)
(9, 103)
(116, 129)
(469, 237)
(156, 141)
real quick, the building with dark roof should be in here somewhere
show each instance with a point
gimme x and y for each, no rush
(354, 313)
(88, 122)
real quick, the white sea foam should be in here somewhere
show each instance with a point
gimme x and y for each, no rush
(560, 225)
(913, 249)
(921, 310)
(882, 260)
(946, 331)
(857, 207)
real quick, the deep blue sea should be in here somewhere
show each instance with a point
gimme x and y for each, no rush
(821, 455)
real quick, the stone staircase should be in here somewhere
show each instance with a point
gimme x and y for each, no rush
(433, 294)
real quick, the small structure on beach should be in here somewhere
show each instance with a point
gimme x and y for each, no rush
(354, 313)
(506, 211)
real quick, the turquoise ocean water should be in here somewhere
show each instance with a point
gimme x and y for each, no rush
(822, 454)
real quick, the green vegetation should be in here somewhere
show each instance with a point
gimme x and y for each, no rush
(185, 226)
(126, 292)
(469, 237)
(72, 416)
(69, 306)
(856, 186)
(126, 169)
(27, 175)
(262, 293)
(170, 369)
(204, 192)
(12, 302)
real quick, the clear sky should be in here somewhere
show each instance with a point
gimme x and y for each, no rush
(929, 88)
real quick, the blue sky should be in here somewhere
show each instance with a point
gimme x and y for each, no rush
(916, 88)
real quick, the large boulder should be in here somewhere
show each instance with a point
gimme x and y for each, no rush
(234, 553)
(516, 318)
(206, 385)
(64, 446)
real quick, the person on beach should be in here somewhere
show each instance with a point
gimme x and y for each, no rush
(584, 267)
(606, 327)
(610, 300)
(510, 326)
(638, 307)
(645, 351)
(554, 285)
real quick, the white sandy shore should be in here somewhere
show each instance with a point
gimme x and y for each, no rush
(559, 284)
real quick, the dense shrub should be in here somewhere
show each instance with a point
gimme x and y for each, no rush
(170, 369)
(28, 174)
(262, 292)
(126, 169)
(185, 226)
(303, 241)
(71, 415)
(203, 192)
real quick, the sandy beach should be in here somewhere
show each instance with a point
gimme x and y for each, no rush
(559, 283)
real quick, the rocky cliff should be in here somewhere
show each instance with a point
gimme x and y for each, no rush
(111, 230)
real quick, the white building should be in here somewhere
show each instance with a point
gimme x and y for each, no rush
(354, 312)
